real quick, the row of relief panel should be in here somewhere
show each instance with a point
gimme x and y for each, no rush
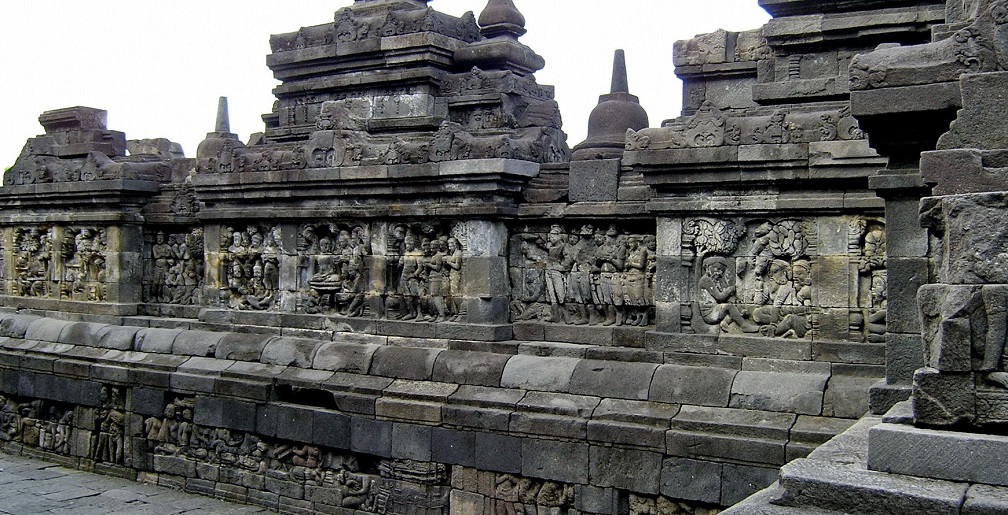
(805, 278)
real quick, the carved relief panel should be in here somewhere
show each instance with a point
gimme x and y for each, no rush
(750, 277)
(333, 263)
(33, 255)
(583, 275)
(867, 244)
(423, 279)
(174, 267)
(249, 262)
(83, 262)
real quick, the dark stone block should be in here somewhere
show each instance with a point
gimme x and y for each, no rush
(404, 362)
(453, 447)
(476, 368)
(331, 429)
(242, 347)
(592, 499)
(612, 379)
(90, 393)
(700, 386)
(691, 480)
(626, 469)
(411, 442)
(208, 412)
(294, 423)
(371, 437)
(594, 180)
(499, 453)
(266, 420)
(741, 481)
(554, 460)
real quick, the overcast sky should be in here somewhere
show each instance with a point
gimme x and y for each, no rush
(159, 67)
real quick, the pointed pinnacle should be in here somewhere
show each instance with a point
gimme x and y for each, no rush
(619, 75)
(223, 123)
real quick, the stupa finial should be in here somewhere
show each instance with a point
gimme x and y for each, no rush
(223, 121)
(619, 74)
(501, 18)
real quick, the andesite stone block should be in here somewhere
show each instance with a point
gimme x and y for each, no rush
(703, 386)
(627, 469)
(500, 453)
(691, 480)
(371, 436)
(535, 373)
(554, 460)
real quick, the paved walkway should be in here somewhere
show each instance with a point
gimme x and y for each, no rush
(29, 487)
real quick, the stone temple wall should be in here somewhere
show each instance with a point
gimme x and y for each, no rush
(408, 294)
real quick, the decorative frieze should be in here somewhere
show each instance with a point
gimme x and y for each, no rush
(583, 275)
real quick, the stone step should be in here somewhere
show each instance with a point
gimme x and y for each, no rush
(761, 503)
(852, 489)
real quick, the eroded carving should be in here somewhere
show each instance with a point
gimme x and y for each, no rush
(250, 266)
(335, 273)
(583, 276)
(763, 287)
(34, 248)
(108, 439)
(84, 264)
(174, 272)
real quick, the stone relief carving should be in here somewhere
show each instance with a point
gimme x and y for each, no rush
(712, 127)
(108, 439)
(174, 273)
(478, 81)
(867, 241)
(583, 275)
(340, 140)
(978, 47)
(424, 274)
(36, 423)
(250, 262)
(375, 486)
(349, 27)
(334, 268)
(84, 264)
(515, 494)
(750, 278)
(660, 505)
(32, 262)
(35, 167)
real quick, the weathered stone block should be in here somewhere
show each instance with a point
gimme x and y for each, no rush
(612, 379)
(331, 429)
(404, 362)
(627, 469)
(453, 447)
(500, 453)
(594, 180)
(371, 436)
(774, 391)
(554, 460)
(691, 480)
(943, 399)
(741, 481)
(702, 386)
(155, 340)
(411, 442)
(196, 343)
(344, 357)
(290, 352)
(535, 373)
(242, 346)
(475, 368)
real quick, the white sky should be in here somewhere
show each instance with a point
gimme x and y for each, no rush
(159, 67)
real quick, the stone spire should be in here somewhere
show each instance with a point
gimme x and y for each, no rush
(223, 122)
(501, 23)
(609, 121)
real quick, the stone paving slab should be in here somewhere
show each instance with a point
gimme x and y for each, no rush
(33, 487)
